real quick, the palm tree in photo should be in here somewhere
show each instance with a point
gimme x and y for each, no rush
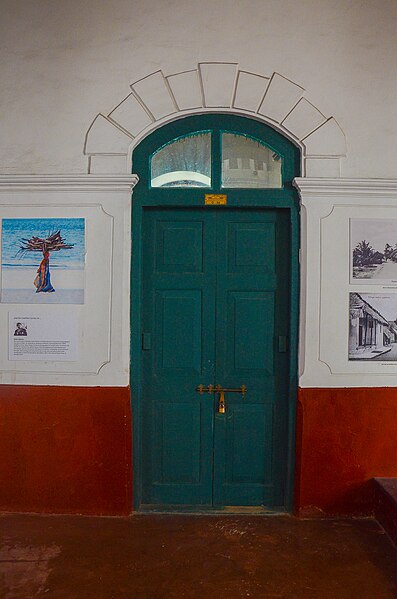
(363, 254)
(393, 253)
(388, 251)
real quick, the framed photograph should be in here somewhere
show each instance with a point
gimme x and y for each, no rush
(373, 251)
(42, 260)
(373, 326)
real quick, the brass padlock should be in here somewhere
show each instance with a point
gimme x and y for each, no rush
(221, 405)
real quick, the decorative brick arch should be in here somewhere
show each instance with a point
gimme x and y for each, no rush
(215, 87)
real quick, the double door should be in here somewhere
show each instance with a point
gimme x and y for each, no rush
(215, 320)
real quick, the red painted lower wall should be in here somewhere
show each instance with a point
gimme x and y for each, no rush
(68, 449)
(65, 450)
(345, 437)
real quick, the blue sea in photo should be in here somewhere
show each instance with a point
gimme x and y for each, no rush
(72, 231)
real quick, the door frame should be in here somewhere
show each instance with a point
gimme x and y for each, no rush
(286, 198)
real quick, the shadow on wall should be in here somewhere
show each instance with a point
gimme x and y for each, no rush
(345, 438)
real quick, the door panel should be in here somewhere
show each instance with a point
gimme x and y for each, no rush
(244, 455)
(179, 246)
(250, 331)
(179, 329)
(175, 466)
(215, 299)
(251, 247)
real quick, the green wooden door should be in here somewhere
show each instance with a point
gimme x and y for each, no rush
(214, 302)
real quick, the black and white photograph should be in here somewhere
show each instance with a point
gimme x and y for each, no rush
(373, 326)
(373, 248)
(21, 330)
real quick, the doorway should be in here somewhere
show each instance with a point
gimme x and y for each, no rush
(214, 316)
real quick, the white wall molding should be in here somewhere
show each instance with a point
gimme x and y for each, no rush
(87, 183)
(335, 187)
(327, 207)
(215, 87)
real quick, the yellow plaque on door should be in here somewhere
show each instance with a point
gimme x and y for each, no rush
(212, 199)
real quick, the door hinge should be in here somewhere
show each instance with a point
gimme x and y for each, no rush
(282, 343)
(146, 341)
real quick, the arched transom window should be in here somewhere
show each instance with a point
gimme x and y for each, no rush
(247, 162)
(218, 152)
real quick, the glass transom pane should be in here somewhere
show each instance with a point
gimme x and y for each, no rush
(248, 162)
(183, 162)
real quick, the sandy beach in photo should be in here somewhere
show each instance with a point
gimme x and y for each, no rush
(61, 278)
(68, 285)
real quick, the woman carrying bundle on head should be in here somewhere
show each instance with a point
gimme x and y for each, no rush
(42, 281)
(53, 243)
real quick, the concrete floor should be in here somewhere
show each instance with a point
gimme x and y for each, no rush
(181, 556)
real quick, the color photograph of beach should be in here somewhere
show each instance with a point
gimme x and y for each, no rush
(42, 260)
